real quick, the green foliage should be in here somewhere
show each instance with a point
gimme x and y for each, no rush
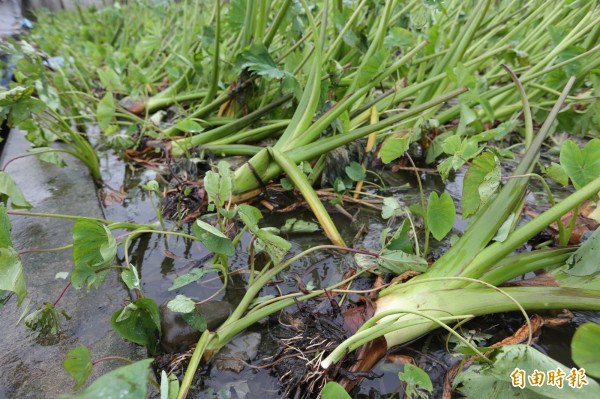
(333, 390)
(355, 171)
(12, 277)
(127, 382)
(169, 386)
(480, 182)
(440, 214)
(391, 207)
(582, 166)
(182, 304)
(9, 189)
(187, 125)
(79, 365)
(139, 322)
(45, 320)
(392, 261)
(218, 185)
(194, 275)
(274, 245)
(195, 319)
(393, 148)
(105, 112)
(585, 348)
(94, 248)
(17, 105)
(131, 278)
(494, 381)
(258, 60)
(213, 239)
(418, 383)
(297, 226)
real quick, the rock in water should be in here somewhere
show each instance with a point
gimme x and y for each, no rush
(178, 336)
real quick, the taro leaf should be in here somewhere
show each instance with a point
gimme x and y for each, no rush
(187, 125)
(333, 390)
(440, 214)
(257, 59)
(391, 207)
(218, 185)
(127, 382)
(393, 148)
(495, 381)
(582, 166)
(49, 155)
(138, 322)
(557, 173)
(94, 247)
(131, 277)
(181, 304)
(416, 381)
(45, 320)
(480, 182)
(169, 385)
(11, 273)
(397, 262)
(355, 171)
(585, 348)
(297, 226)
(194, 275)
(9, 189)
(213, 239)
(79, 365)
(105, 112)
(275, 246)
(195, 319)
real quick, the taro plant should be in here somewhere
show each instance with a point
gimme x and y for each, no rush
(463, 283)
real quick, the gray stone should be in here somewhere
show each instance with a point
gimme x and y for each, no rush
(178, 335)
(29, 367)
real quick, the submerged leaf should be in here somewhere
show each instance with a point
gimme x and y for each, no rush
(79, 365)
(127, 382)
(194, 275)
(182, 304)
(296, 226)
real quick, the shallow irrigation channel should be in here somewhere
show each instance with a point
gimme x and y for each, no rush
(271, 359)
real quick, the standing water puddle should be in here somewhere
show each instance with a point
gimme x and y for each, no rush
(243, 369)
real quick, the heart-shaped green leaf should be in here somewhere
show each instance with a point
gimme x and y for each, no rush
(582, 166)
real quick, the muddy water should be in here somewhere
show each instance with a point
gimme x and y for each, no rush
(160, 260)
